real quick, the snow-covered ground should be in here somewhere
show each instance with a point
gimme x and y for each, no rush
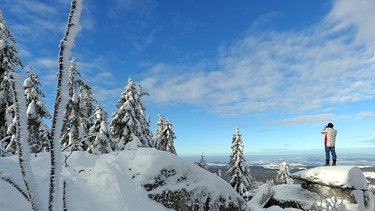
(112, 181)
(369, 174)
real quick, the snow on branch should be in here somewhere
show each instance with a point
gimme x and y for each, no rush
(21, 139)
(66, 45)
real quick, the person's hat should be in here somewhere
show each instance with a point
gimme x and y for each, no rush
(330, 125)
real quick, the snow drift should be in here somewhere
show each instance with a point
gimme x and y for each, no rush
(143, 179)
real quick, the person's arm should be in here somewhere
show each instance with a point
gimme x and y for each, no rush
(324, 130)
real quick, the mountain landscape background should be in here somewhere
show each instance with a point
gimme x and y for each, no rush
(265, 167)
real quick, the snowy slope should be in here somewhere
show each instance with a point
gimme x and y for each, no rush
(115, 181)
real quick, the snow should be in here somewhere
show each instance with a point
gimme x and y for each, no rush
(340, 176)
(369, 174)
(261, 197)
(111, 181)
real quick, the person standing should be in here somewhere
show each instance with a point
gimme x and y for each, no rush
(329, 142)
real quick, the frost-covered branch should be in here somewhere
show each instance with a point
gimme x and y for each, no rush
(77, 141)
(15, 185)
(21, 139)
(66, 46)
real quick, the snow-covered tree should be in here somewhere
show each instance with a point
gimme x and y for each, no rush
(202, 163)
(100, 142)
(165, 139)
(145, 123)
(128, 123)
(78, 112)
(12, 101)
(8, 64)
(282, 176)
(159, 129)
(219, 173)
(239, 174)
(36, 113)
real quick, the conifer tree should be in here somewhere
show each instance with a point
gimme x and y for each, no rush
(128, 123)
(164, 139)
(282, 176)
(239, 174)
(159, 129)
(36, 113)
(100, 142)
(12, 101)
(78, 112)
(140, 112)
(202, 163)
(8, 64)
(219, 173)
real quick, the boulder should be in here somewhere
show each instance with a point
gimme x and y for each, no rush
(338, 182)
(261, 197)
(345, 177)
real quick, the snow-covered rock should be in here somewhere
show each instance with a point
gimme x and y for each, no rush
(142, 179)
(323, 188)
(350, 177)
(261, 197)
(347, 183)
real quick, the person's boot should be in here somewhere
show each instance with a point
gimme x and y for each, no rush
(327, 163)
(334, 163)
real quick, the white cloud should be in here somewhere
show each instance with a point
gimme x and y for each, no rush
(43, 19)
(307, 119)
(359, 16)
(286, 71)
(365, 115)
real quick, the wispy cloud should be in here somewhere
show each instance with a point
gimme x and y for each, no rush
(307, 119)
(365, 115)
(323, 65)
(46, 17)
(140, 33)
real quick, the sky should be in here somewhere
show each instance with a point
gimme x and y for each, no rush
(278, 70)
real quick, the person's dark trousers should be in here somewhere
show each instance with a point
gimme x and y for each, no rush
(330, 150)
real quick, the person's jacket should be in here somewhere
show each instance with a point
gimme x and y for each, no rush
(329, 136)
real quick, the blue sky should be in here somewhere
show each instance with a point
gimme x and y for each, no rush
(279, 70)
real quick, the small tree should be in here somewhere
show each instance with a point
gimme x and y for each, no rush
(36, 113)
(239, 174)
(165, 139)
(100, 142)
(219, 173)
(282, 176)
(159, 129)
(202, 163)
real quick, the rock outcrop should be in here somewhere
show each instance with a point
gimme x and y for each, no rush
(342, 187)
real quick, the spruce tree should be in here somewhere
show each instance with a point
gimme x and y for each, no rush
(159, 130)
(146, 133)
(8, 64)
(78, 112)
(36, 113)
(202, 163)
(100, 141)
(128, 123)
(282, 176)
(239, 174)
(164, 140)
